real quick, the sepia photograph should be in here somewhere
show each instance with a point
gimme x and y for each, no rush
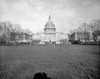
(49, 39)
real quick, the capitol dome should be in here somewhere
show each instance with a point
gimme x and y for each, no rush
(49, 23)
(49, 27)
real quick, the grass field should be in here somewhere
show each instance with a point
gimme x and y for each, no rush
(58, 61)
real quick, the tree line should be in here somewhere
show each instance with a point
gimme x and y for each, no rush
(8, 31)
(93, 27)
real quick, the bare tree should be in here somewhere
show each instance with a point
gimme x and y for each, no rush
(8, 31)
(27, 31)
(83, 28)
(17, 28)
(95, 29)
(4, 31)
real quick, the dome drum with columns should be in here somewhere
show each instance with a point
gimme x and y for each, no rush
(50, 35)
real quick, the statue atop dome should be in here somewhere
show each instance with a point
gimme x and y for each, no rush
(49, 17)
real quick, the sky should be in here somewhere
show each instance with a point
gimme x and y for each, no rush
(33, 14)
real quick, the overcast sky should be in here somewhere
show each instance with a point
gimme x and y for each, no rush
(33, 14)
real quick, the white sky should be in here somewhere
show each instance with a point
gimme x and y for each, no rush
(33, 14)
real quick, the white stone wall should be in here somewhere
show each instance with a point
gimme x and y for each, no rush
(50, 37)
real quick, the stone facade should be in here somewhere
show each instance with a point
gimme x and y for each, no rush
(79, 36)
(23, 37)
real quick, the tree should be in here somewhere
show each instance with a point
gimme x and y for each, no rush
(95, 29)
(27, 31)
(8, 31)
(83, 28)
(17, 28)
(4, 31)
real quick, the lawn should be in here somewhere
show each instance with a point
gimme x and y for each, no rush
(58, 61)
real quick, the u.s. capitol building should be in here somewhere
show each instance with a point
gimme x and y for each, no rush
(50, 35)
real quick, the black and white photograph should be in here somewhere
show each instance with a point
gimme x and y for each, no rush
(49, 39)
